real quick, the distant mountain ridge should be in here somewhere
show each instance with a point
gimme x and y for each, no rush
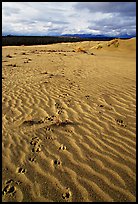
(97, 36)
(83, 35)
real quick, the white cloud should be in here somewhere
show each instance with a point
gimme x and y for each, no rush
(49, 18)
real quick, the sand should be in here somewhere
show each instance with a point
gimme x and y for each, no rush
(69, 122)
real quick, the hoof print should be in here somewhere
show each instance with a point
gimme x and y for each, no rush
(48, 129)
(9, 181)
(60, 112)
(57, 162)
(120, 122)
(67, 194)
(9, 190)
(36, 149)
(101, 106)
(62, 147)
(21, 170)
(32, 159)
(50, 138)
(35, 142)
(87, 96)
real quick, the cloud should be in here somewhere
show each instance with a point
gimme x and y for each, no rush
(112, 18)
(43, 18)
(51, 18)
(123, 8)
(114, 25)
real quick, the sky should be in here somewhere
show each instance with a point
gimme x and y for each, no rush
(56, 18)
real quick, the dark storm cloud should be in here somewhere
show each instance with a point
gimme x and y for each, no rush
(122, 8)
(113, 17)
(115, 23)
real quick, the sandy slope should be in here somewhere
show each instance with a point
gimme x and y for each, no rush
(69, 122)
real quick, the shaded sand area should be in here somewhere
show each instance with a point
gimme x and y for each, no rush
(69, 122)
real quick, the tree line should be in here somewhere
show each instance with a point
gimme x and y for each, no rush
(10, 40)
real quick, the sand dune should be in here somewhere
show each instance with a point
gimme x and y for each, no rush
(69, 122)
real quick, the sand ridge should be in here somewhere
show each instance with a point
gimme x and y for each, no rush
(69, 122)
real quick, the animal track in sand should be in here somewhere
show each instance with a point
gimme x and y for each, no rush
(60, 112)
(69, 131)
(50, 138)
(120, 122)
(51, 76)
(57, 105)
(12, 181)
(36, 149)
(9, 181)
(62, 147)
(21, 170)
(50, 118)
(49, 129)
(57, 162)
(32, 159)
(9, 189)
(87, 96)
(35, 142)
(101, 106)
(12, 191)
(67, 194)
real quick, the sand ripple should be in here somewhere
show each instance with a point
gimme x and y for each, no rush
(69, 129)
